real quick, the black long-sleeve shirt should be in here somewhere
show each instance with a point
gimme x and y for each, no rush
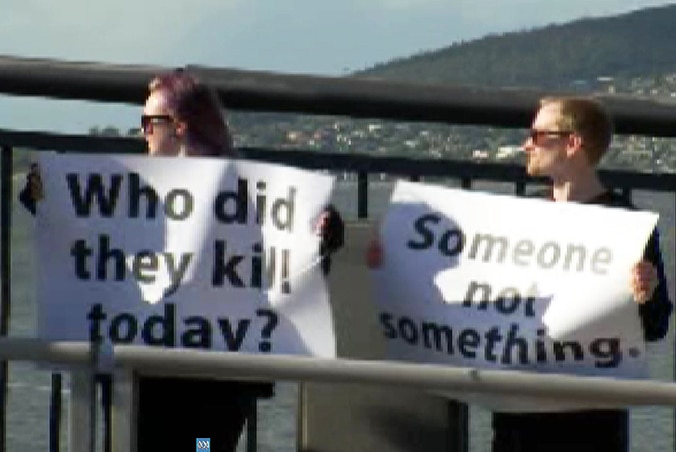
(654, 312)
(588, 430)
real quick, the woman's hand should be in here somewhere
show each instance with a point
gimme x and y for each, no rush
(32, 191)
(331, 228)
(643, 281)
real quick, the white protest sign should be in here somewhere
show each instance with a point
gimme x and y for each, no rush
(481, 280)
(203, 253)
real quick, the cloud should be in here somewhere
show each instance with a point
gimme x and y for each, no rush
(316, 36)
(102, 31)
(406, 4)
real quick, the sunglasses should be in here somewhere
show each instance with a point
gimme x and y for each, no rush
(148, 121)
(537, 135)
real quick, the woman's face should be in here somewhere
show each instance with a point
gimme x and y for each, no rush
(159, 127)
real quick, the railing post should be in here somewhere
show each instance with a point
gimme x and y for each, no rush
(520, 188)
(362, 195)
(251, 426)
(458, 417)
(125, 411)
(81, 388)
(5, 277)
(55, 413)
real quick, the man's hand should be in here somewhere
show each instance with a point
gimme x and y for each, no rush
(643, 281)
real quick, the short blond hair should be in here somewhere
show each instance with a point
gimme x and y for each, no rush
(588, 119)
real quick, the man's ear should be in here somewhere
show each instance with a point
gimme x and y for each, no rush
(575, 143)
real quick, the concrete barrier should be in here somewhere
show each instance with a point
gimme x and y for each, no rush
(348, 417)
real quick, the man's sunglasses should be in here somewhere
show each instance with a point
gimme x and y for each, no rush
(148, 121)
(536, 135)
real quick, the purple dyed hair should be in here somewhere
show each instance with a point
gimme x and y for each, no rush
(195, 104)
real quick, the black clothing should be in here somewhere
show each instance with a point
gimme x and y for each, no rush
(576, 431)
(587, 430)
(174, 412)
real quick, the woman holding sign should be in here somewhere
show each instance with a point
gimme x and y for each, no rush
(182, 117)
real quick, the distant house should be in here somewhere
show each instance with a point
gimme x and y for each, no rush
(508, 152)
(480, 154)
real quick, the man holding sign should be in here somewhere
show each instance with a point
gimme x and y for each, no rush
(479, 280)
(568, 138)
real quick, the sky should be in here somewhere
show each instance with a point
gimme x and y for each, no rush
(320, 37)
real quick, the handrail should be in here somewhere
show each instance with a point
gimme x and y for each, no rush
(280, 367)
(350, 96)
(339, 162)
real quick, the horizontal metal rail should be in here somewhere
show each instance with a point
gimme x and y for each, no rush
(358, 163)
(350, 96)
(225, 365)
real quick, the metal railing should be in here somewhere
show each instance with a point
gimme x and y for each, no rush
(133, 359)
(319, 95)
(200, 363)
(361, 165)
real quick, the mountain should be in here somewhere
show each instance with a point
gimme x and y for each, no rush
(631, 54)
(634, 44)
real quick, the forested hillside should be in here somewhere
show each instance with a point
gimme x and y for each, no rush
(635, 44)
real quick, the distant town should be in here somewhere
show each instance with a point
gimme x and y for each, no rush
(433, 140)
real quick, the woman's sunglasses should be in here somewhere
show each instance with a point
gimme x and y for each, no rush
(148, 121)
